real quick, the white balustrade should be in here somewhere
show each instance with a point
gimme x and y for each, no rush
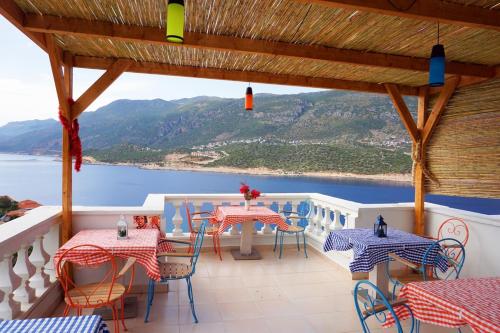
(318, 219)
(347, 222)
(9, 281)
(51, 244)
(266, 229)
(40, 280)
(177, 218)
(197, 208)
(295, 204)
(326, 222)
(23, 268)
(336, 220)
(311, 218)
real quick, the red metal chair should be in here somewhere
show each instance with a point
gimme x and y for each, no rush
(106, 292)
(153, 222)
(212, 229)
(454, 228)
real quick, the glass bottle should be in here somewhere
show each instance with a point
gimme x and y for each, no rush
(122, 228)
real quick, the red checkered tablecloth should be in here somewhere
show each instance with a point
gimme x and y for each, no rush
(141, 244)
(454, 303)
(228, 215)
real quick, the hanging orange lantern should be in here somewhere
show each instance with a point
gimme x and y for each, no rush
(249, 99)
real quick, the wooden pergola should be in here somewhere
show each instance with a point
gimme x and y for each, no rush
(379, 46)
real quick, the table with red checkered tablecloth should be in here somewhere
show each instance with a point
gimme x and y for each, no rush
(454, 303)
(229, 215)
(141, 244)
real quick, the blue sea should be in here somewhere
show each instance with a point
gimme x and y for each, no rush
(39, 178)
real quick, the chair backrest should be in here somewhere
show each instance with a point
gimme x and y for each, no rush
(198, 242)
(371, 302)
(449, 251)
(86, 256)
(454, 228)
(189, 217)
(147, 222)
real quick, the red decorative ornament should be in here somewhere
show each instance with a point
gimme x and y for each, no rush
(75, 144)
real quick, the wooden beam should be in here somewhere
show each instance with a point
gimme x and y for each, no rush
(244, 76)
(404, 113)
(148, 35)
(67, 165)
(438, 108)
(64, 87)
(426, 10)
(418, 173)
(11, 11)
(96, 89)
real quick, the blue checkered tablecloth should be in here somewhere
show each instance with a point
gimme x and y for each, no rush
(81, 324)
(370, 250)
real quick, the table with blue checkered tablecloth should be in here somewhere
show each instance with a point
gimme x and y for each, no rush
(81, 324)
(370, 250)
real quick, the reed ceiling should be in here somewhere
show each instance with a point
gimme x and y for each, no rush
(296, 22)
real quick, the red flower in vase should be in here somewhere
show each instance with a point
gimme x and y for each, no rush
(244, 188)
(255, 194)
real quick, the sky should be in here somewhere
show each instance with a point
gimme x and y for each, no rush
(27, 89)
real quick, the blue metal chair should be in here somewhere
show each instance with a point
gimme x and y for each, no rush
(178, 271)
(371, 302)
(299, 215)
(449, 249)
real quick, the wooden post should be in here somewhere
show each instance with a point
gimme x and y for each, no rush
(419, 177)
(67, 163)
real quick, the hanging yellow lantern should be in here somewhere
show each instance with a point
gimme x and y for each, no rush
(249, 99)
(175, 21)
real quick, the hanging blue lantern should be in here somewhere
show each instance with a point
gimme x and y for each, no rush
(437, 64)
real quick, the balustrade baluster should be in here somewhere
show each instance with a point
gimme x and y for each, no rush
(9, 281)
(177, 219)
(25, 270)
(40, 280)
(233, 231)
(197, 208)
(326, 222)
(311, 217)
(318, 219)
(336, 221)
(266, 230)
(295, 204)
(51, 245)
(346, 221)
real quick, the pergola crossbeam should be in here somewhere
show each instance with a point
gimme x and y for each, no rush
(427, 10)
(244, 76)
(11, 11)
(99, 86)
(148, 35)
(403, 111)
(438, 108)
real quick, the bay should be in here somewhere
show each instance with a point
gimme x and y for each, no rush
(39, 178)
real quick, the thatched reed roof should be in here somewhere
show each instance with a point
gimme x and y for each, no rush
(101, 28)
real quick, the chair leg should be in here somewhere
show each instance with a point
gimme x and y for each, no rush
(66, 310)
(214, 240)
(123, 313)
(281, 243)
(305, 245)
(191, 298)
(150, 299)
(115, 318)
(218, 247)
(276, 239)
(297, 237)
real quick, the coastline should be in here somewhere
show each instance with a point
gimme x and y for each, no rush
(398, 178)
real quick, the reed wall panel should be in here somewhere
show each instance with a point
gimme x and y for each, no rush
(464, 151)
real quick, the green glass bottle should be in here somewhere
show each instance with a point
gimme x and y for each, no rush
(175, 21)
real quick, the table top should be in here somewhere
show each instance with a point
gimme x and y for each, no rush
(454, 303)
(80, 324)
(254, 211)
(141, 244)
(370, 250)
(107, 238)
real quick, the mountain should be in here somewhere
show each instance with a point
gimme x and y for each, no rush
(152, 128)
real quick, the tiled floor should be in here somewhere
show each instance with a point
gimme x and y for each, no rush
(290, 295)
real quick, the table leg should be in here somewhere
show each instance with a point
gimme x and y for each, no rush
(246, 238)
(378, 276)
(245, 252)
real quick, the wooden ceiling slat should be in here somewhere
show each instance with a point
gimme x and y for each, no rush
(87, 28)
